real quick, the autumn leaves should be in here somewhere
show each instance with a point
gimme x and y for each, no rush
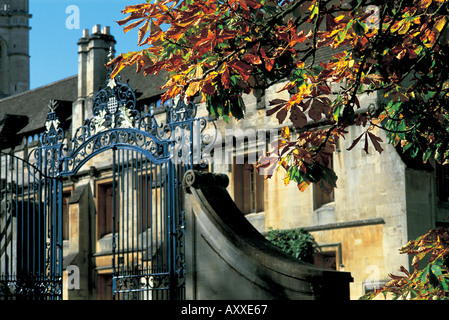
(222, 49)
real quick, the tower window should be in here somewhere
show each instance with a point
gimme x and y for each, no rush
(4, 5)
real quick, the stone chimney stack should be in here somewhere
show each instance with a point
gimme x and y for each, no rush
(93, 51)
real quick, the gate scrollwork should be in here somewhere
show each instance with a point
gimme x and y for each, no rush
(117, 121)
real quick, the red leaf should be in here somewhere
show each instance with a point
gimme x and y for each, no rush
(354, 143)
(315, 113)
(241, 68)
(251, 58)
(375, 140)
(303, 185)
(274, 110)
(225, 78)
(366, 144)
(267, 165)
(269, 64)
(281, 115)
(277, 101)
(330, 22)
(324, 89)
(208, 88)
(298, 117)
(263, 54)
(133, 25)
(253, 4)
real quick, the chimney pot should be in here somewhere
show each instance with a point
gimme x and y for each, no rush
(85, 33)
(106, 30)
(96, 29)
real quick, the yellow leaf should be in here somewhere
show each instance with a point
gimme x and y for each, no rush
(287, 179)
(315, 10)
(440, 22)
(404, 28)
(133, 25)
(426, 3)
(285, 133)
(142, 31)
(193, 88)
(339, 18)
(136, 7)
(117, 69)
(199, 72)
(396, 25)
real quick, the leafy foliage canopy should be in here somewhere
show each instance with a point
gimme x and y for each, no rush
(222, 49)
(326, 54)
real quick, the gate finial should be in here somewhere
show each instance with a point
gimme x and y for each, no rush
(111, 54)
(53, 105)
(53, 134)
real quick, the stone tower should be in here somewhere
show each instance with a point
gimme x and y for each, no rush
(14, 47)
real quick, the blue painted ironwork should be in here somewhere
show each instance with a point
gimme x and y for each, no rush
(149, 159)
(30, 224)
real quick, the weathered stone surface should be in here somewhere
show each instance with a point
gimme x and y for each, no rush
(227, 258)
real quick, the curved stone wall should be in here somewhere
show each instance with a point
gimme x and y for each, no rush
(227, 258)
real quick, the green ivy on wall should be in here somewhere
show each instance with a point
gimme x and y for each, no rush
(296, 242)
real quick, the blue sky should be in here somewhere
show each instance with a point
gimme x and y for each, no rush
(53, 46)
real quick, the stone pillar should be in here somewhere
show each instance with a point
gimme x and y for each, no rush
(78, 267)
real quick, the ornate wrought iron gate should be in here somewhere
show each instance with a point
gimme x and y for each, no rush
(148, 162)
(148, 253)
(30, 229)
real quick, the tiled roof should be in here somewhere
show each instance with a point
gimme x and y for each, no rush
(32, 106)
(144, 87)
(34, 103)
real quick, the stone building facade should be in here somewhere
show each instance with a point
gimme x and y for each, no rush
(381, 202)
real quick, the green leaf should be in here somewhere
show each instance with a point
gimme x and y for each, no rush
(359, 28)
(342, 35)
(237, 108)
(436, 270)
(445, 284)
(414, 152)
(433, 279)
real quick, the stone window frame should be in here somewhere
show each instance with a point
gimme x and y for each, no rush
(256, 194)
(102, 226)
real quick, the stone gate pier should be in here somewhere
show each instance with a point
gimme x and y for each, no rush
(227, 258)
